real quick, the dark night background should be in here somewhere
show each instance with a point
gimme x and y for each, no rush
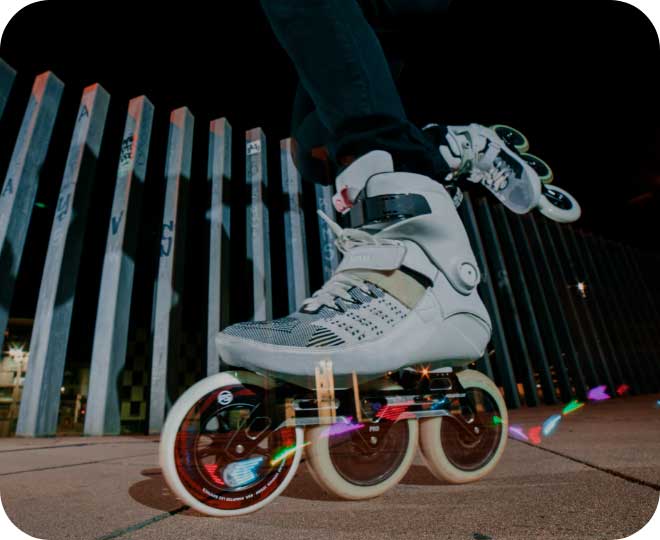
(579, 78)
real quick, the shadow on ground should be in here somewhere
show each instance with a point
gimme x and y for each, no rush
(155, 493)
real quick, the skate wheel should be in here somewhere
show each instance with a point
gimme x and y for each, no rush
(363, 462)
(512, 137)
(558, 204)
(540, 167)
(221, 451)
(456, 457)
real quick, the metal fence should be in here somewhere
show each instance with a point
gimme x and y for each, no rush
(571, 311)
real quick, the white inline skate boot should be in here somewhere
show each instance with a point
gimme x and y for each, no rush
(482, 156)
(498, 158)
(370, 368)
(405, 292)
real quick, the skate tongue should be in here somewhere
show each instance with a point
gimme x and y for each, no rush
(361, 250)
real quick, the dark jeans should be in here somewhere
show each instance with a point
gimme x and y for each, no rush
(347, 103)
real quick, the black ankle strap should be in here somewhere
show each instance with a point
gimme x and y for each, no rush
(384, 208)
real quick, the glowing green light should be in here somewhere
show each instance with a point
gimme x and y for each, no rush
(497, 421)
(40, 205)
(572, 407)
(285, 453)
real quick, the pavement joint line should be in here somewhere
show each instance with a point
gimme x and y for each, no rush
(24, 449)
(28, 449)
(611, 472)
(142, 524)
(74, 464)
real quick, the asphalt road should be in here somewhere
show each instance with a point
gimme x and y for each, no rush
(597, 477)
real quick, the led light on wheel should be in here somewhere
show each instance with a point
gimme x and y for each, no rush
(242, 473)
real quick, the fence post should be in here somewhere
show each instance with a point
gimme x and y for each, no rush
(512, 321)
(169, 284)
(586, 371)
(639, 318)
(546, 261)
(609, 314)
(219, 176)
(257, 226)
(7, 76)
(297, 273)
(592, 310)
(50, 334)
(113, 313)
(648, 306)
(487, 293)
(616, 318)
(585, 323)
(521, 293)
(329, 255)
(540, 294)
(20, 187)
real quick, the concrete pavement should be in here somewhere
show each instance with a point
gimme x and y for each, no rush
(597, 477)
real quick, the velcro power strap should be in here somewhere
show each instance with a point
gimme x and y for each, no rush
(384, 258)
(384, 208)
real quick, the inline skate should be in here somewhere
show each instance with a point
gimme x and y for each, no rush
(371, 367)
(498, 158)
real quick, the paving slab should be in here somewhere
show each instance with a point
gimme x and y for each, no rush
(80, 502)
(29, 459)
(620, 435)
(595, 478)
(532, 494)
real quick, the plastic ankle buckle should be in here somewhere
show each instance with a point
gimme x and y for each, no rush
(384, 208)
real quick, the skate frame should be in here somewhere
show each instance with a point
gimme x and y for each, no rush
(404, 395)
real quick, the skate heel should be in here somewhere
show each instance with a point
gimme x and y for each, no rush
(458, 342)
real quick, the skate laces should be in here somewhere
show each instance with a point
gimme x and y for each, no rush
(462, 154)
(340, 283)
(496, 178)
(471, 147)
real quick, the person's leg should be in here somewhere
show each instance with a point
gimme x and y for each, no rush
(342, 68)
(310, 141)
(311, 138)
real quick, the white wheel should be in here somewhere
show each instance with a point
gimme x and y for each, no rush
(512, 137)
(361, 463)
(457, 457)
(220, 450)
(558, 204)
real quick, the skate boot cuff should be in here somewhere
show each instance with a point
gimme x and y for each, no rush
(383, 209)
(353, 179)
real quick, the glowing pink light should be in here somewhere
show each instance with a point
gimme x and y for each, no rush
(341, 429)
(598, 394)
(518, 432)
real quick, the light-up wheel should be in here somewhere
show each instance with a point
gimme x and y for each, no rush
(540, 167)
(361, 461)
(221, 450)
(512, 137)
(558, 204)
(460, 453)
